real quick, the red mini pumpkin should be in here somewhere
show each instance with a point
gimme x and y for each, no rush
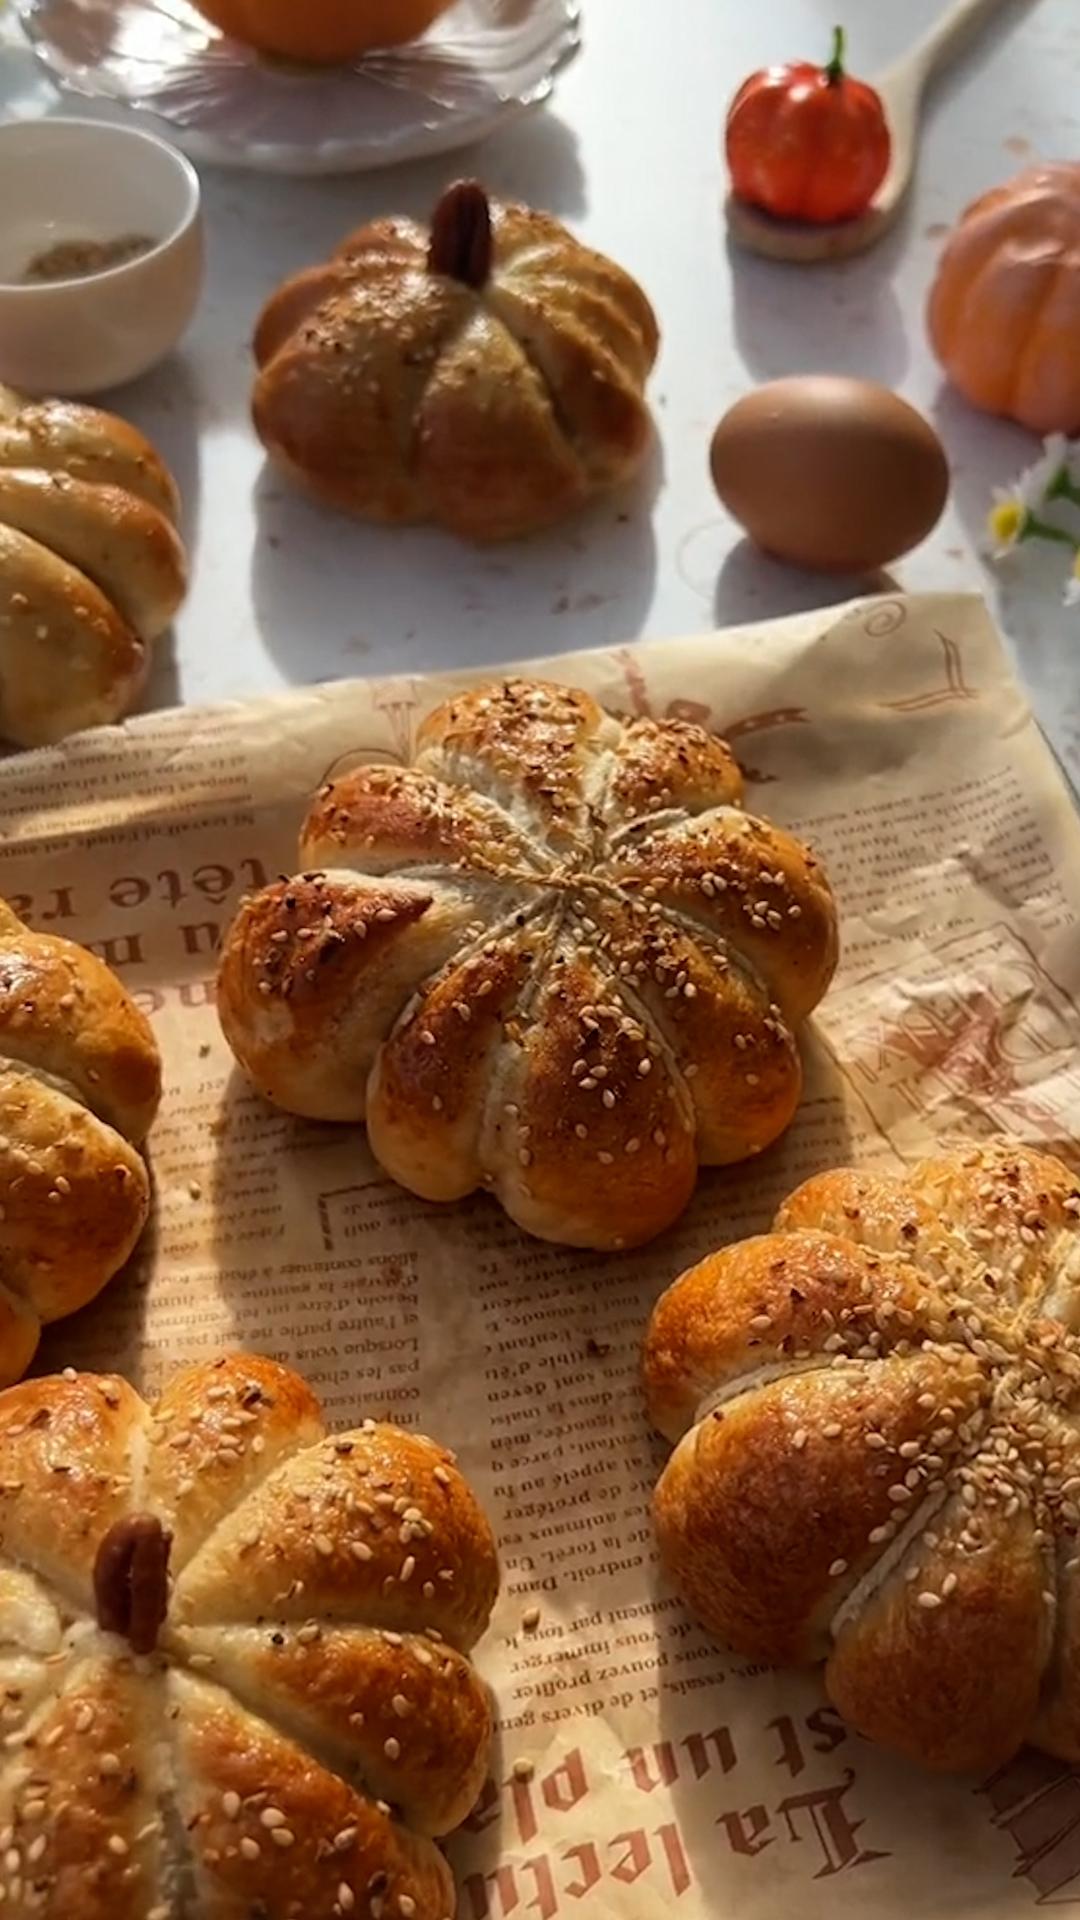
(806, 142)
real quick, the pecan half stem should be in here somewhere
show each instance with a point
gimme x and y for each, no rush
(461, 234)
(131, 1580)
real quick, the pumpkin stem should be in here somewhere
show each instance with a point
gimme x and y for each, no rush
(834, 72)
(461, 234)
(131, 1580)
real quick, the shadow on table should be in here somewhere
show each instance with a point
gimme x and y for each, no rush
(162, 687)
(983, 452)
(858, 327)
(299, 220)
(535, 160)
(165, 405)
(753, 586)
(375, 587)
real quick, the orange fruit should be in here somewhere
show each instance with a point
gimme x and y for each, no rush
(322, 32)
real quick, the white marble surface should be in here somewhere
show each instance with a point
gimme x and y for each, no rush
(628, 154)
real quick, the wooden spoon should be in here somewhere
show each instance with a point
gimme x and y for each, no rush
(901, 87)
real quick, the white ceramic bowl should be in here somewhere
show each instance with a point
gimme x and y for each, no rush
(86, 180)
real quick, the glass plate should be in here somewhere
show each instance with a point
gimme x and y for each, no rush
(480, 63)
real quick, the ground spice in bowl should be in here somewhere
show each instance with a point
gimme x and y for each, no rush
(78, 259)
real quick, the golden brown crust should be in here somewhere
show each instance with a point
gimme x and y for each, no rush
(79, 1803)
(1057, 1724)
(91, 566)
(258, 1757)
(399, 392)
(750, 884)
(337, 1837)
(963, 1679)
(67, 1449)
(351, 1693)
(219, 1429)
(68, 659)
(878, 1455)
(76, 1197)
(392, 240)
(670, 763)
(377, 819)
(315, 970)
(773, 1301)
(62, 436)
(291, 305)
(533, 747)
(80, 1080)
(129, 549)
(432, 1559)
(765, 1481)
(430, 1119)
(549, 997)
(64, 1013)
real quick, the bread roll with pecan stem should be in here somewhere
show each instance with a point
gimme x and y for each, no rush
(488, 375)
(242, 1653)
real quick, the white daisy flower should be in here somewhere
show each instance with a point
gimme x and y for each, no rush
(1008, 521)
(1041, 481)
(1017, 511)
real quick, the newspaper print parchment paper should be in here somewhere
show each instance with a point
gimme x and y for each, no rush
(668, 1776)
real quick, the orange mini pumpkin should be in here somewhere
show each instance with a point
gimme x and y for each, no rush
(322, 32)
(1004, 313)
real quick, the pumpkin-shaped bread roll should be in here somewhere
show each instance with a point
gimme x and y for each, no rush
(876, 1417)
(91, 566)
(487, 374)
(553, 958)
(80, 1080)
(235, 1654)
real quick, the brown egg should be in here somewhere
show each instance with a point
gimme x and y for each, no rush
(838, 475)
